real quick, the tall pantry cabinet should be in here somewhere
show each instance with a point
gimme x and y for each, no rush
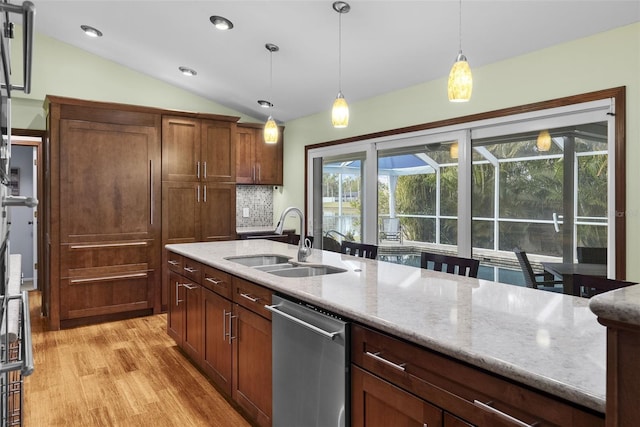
(121, 182)
(103, 203)
(198, 180)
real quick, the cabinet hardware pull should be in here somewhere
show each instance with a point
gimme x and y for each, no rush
(253, 173)
(173, 262)
(198, 170)
(204, 194)
(178, 300)
(107, 245)
(102, 278)
(249, 297)
(259, 173)
(214, 281)
(231, 337)
(191, 269)
(151, 191)
(198, 194)
(224, 324)
(190, 286)
(499, 413)
(376, 356)
(205, 170)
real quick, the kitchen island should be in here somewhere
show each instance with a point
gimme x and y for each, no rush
(545, 341)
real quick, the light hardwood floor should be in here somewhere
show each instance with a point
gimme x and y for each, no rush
(125, 373)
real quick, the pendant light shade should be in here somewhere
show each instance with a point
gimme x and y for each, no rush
(544, 141)
(340, 110)
(270, 127)
(271, 131)
(460, 82)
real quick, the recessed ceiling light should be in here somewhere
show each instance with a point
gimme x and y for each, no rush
(265, 104)
(90, 31)
(187, 71)
(221, 23)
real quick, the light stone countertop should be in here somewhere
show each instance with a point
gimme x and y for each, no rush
(549, 341)
(621, 305)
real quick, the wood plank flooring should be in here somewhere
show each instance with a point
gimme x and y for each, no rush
(125, 373)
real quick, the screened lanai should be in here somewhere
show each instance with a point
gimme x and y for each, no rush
(543, 191)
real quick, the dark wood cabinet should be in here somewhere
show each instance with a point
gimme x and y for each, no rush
(256, 161)
(221, 323)
(464, 394)
(376, 402)
(103, 256)
(198, 180)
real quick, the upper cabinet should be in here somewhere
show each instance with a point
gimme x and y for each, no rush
(256, 161)
(195, 149)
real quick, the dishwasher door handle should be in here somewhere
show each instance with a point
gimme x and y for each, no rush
(329, 335)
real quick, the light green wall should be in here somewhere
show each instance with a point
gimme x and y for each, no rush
(63, 70)
(603, 61)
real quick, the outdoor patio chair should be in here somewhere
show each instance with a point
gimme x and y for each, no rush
(391, 229)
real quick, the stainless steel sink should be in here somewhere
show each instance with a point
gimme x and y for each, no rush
(259, 260)
(273, 267)
(307, 271)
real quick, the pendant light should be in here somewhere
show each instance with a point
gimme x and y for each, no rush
(460, 80)
(340, 111)
(271, 127)
(543, 142)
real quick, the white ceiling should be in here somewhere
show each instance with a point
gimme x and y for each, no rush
(386, 45)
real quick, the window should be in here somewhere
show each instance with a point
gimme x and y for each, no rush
(530, 178)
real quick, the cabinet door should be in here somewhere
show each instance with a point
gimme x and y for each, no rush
(268, 161)
(375, 402)
(245, 156)
(109, 182)
(216, 353)
(175, 308)
(452, 421)
(218, 212)
(180, 149)
(218, 152)
(252, 364)
(193, 328)
(181, 212)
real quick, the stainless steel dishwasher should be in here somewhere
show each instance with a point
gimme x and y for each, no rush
(310, 366)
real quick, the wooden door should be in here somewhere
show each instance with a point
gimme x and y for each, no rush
(218, 212)
(245, 156)
(216, 352)
(193, 327)
(252, 364)
(268, 161)
(375, 402)
(181, 203)
(218, 152)
(175, 308)
(109, 182)
(181, 149)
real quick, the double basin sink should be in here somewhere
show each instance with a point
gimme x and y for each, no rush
(283, 266)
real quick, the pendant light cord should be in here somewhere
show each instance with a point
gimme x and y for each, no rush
(271, 76)
(460, 27)
(340, 52)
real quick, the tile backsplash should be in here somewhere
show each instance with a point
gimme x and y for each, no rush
(258, 200)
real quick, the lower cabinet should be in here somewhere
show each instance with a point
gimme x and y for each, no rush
(399, 383)
(220, 322)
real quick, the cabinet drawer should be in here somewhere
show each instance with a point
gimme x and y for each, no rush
(174, 262)
(217, 281)
(192, 270)
(252, 296)
(462, 389)
(97, 255)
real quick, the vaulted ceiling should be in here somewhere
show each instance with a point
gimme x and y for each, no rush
(386, 45)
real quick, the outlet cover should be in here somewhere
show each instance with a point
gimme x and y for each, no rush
(245, 212)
